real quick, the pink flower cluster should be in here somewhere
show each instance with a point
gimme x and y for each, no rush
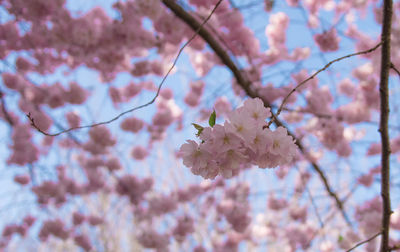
(328, 41)
(133, 187)
(242, 140)
(53, 227)
(192, 98)
(21, 229)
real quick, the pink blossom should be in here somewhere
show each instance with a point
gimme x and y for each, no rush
(223, 140)
(23, 65)
(113, 164)
(132, 124)
(163, 117)
(354, 112)
(76, 94)
(282, 144)
(131, 90)
(95, 220)
(192, 99)
(73, 119)
(366, 179)
(276, 204)
(230, 162)
(167, 93)
(210, 171)
(149, 238)
(139, 153)
(298, 213)
(29, 220)
(162, 204)
(255, 108)
(347, 87)
(83, 241)
(194, 155)
(222, 106)
(102, 136)
(9, 230)
(53, 227)
(78, 218)
(202, 61)
(240, 123)
(12, 81)
(115, 95)
(56, 95)
(133, 187)
(24, 151)
(300, 54)
(328, 41)
(395, 219)
(22, 179)
(292, 3)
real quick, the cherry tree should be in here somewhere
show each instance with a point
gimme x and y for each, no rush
(199, 125)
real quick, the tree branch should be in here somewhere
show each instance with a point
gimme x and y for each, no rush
(363, 242)
(319, 71)
(384, 121)
(395, 69)
(243, 82)
(32, 121)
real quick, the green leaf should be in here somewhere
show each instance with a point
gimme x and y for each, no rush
(211, 121)
(340, 238)
(199, 129)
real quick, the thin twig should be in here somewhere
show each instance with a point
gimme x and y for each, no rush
(31, 119)
(316, 73)
(321, 222)
(384, 121)
(245, 84)
(363, 242)
(394, 68)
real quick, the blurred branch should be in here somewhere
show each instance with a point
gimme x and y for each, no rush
(246, 86)
(384, 121)
(4, 109)
(32, 121)
(365, 241)
(395, 247)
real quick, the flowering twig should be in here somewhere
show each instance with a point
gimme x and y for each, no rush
(384, 121)
(245, 84)
(363, 242)
(31, 119)
(317, 72)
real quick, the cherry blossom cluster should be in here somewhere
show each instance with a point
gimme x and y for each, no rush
(244, 139)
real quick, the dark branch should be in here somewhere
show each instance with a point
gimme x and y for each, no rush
(243, 82)
(384, 121)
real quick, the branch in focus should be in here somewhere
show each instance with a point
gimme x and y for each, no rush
(31, 119)
(384, 122)
(319, 71)
(243, 82)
